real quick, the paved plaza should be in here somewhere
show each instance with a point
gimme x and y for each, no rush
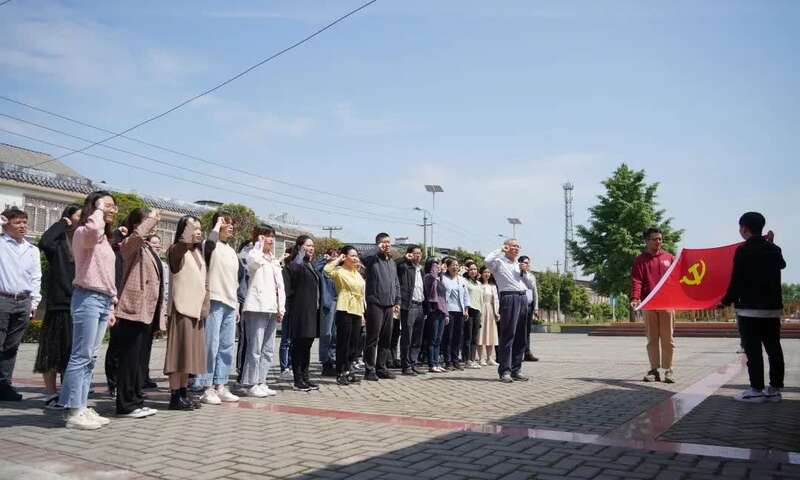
(584, 414)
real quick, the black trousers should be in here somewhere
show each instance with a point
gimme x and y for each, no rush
(528, 329)
(112, 359)
(472, 327)
(511, 332)
(394, 347)
(379, 337)
(147, 350)
(456, 334)
(427, 335)
(129, 340)
(14, 318)
(413, 321)
(301, 358)
(755, 332)
(348, 336)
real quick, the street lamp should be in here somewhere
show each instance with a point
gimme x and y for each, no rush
(425, 225)
(514, 222)
(434, 189)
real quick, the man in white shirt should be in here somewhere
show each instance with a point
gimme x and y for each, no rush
(20, 282)
(533, 305)
(513, 286)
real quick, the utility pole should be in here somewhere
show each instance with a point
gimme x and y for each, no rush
(558, 292)
(568, 229)
(425, 226)
(331, 230)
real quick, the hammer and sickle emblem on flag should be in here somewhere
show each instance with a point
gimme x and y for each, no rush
(697, 272)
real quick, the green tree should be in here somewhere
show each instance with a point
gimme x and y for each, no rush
(548, 283)
(575, 299)
(244, 219)
(322, 244)
(464, 255)
(791, 292)
(126, 203)
(607, 246)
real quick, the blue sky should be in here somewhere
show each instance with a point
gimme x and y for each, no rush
(499, 102)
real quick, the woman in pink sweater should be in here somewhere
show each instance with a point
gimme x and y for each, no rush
(92, 307)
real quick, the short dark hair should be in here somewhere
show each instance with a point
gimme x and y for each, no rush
(262, 229)
(135, 218)
(524, 258)
(429, 264)
(753, 221)
(150, 237)
(220, 213)
(70, 210)
(345, 250)
(650, 231)
(333, 251)
(411, 248)
(13, 212)
(380, 237)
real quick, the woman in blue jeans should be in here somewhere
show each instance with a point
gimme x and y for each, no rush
(92, 306)
(436, 307)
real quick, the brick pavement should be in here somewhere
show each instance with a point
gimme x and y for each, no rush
(583, 384)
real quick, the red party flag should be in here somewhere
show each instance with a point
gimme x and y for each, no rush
(696, 280)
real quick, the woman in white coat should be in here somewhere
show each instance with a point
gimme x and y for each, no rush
(264, 307)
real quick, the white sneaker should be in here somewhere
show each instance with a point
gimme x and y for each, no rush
(483, 363)
(225, 395)
(751, 396)
(268, 392)
(210, 397)
(91, 413)
(255, 391)
(138, 413)
(473, 365)
(772, 394)
(491, 363)
(78, 419)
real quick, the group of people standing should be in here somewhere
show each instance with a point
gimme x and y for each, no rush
(440, 314)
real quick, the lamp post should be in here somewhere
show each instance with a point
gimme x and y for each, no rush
(514, 222)
(434, 189)
(425, 225)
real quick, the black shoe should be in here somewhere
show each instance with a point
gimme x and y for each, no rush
(458, 366)
(448, 367)
(409, 372)
(149, 384)
(328, 371)
(342, 380)
(8, 394)
(301, 387)
(530, 358)
(519, 378)
(189, 399)
(418, 371)
(397, 364)
(386, 375)
(371, 376)
(351, 378)
(311, 385)
(177, 402)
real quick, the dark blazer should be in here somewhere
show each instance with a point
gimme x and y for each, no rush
(756, 277)
(60, 266)
(303, 299)
(407, 276)
(382, 288)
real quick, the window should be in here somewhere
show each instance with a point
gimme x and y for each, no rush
(166, 230)
(42, 213)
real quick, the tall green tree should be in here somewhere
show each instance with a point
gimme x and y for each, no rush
(607, 246)
(244, 219)
(126, 203)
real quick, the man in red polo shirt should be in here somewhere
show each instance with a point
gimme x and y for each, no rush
(647, 270)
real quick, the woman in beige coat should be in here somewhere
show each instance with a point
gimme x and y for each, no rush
(487, 337)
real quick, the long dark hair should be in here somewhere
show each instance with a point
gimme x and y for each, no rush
(89, 208)
(134, 219)
(70, 210)
(298, 246)
(182, 226)
(480, 275)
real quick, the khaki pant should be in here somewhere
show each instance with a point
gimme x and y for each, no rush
(658, 325)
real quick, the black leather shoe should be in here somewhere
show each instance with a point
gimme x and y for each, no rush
(458, 366)
(342, 380)
(149, 384)
(371, 376)
(519, 378)
(177, 402)
(386, 375)
(397, 364)
(189, 399)
(329, 371)
(8, 394)
(311, 385)
(530, 358)
(418, 371)
(409, 372)
(351, 378)
(301, 387)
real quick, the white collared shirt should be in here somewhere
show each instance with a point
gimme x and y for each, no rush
(418, 295)
(507, 274)
(20, 269)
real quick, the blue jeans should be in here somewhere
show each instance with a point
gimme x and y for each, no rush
(437, 329)
(327, 337)
(220, 330)
(89, 321)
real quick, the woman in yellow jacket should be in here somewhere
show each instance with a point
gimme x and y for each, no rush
(349, 311)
